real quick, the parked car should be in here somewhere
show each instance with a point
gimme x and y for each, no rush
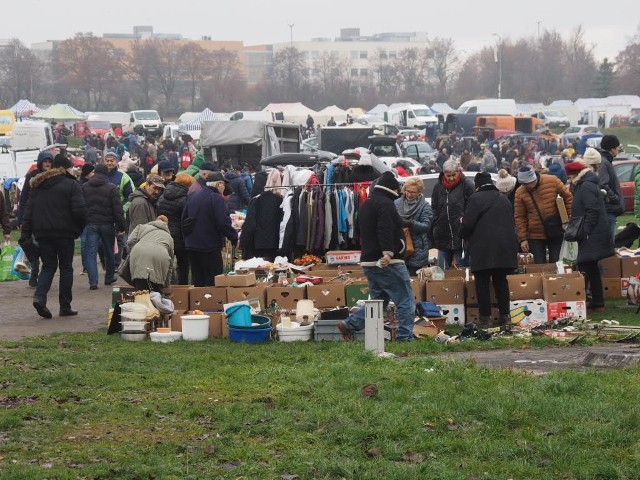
(619, 121)
(430, 179)
(422, 152)
(626, 172)
(577, 131)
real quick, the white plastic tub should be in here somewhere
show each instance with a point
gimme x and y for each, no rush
(133, 326)
(295, 333)
(195, 327)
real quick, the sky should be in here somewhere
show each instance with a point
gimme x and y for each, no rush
(471, 24)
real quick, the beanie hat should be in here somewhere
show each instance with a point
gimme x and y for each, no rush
(389, 183)
(574, 168)
(482, 178)
(111, 153)
(505, 182)
(60, 161)
(101, 169)
(86, 169)
(591, 157)
(527, 174)
(609, 142)
(165, 166)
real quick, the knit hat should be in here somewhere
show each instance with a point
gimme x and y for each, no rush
(505, 182)
(209, 166)
(526, 174)
(388, 183)
(112, 154)
(87, 168)
(482, 178)
(165, 166)
(609, 142)
(574, 168)
(591, 157)
(60, 161)
(101, 169)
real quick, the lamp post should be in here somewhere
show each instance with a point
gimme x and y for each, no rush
(539, 22)
(499, 60)
(291, 25)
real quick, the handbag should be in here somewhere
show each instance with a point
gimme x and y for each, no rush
(574, 231)
(552, 225)
(124, 272)
(409, 249)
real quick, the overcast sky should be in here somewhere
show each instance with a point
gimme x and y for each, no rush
(608, 25)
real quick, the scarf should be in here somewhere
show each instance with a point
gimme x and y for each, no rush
(408, 208)
(449, 185)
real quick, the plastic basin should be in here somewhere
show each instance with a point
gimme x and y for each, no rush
(195, 327)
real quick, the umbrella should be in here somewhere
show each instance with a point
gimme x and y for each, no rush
(296, 159)
(62, 112)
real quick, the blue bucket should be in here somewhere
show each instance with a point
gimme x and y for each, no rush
(239, 315)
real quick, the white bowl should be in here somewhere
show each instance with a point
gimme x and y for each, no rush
(165, 337)
(134, 336)
(294, 333)
(136, 326)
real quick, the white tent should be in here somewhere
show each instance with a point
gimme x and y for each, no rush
(442, 108)
(196, 123)
(338, 114)
(24, 108)
(293, 112)
(379, 109)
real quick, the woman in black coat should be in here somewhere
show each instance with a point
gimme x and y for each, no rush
(490, 232)
(596, 242)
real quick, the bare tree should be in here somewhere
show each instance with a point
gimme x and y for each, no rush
(443, 66)
(579, 64)
(384, 71)
(193, 60)
(144, 54)
(412, 69)
(289, 73)
(225, 84)
(20, 69)
(628, 67)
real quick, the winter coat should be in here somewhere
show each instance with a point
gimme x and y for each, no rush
(151, 252)
(489, 230)
(26, 188)
(558, 170)
(171, 204)
(608, 180)
(448, 207)
(529, 226)
(124, 184)
(489, 163)
(211, 221)
(137, 178)
(142, 208)
(240, 196)
(588, 203)
(419, 229)
(103, 203)
(56, 206)
(261, 229)
(380, 227)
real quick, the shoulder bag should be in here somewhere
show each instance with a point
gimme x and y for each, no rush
(409, 248)
(552, 225)
(574, 231)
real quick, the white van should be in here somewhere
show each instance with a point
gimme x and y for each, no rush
(27, 140)
(252, 115)
(489, 106)
(411, 116)
(149, 120)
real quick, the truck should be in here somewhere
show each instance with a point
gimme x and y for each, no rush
(146, 121)
(249, 141)
(411, 116)
(7, 121)
(489, 106)
(339, 139)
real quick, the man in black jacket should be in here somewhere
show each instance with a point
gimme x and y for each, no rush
(613, 200)
(104, 217)
(383, 243)
(55, 214)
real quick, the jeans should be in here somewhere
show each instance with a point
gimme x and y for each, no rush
(500, 285)
(539, 250)
(389, 283)
(83, 248)
(612, 222)
(54, 253)
(446, 258)
(205, 266)
(593, 280)
(97, 235)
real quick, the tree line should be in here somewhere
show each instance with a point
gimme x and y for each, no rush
(91, 74)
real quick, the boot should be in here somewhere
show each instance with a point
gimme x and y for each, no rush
(484, 321)
(505, 320)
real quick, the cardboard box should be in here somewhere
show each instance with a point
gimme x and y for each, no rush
(236, 280)
(390, 331)
(179, 295)
(286, 297)
(238, 294)
(454, 313)
(569, 287)
(525, 286)
(455, 273)
(610, 267)
(557, 310)
(630, 266)
(218, 325)
(354, 292)
(343, 257)
(418, 288)
(354, 271)
(472, 298)
(528, 313)
(327, 295)
(207, 298)
(473, 314)
(614, 287)
(448, 291)
(175, 322)
(541, 268)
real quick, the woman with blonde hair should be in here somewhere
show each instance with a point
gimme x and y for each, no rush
(416, 215)
(171, 204)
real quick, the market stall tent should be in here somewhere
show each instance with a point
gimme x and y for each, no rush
(24, 108)
(292, 112)
(338, 114)
(61, 112)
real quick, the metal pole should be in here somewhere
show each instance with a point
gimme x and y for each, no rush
(374, 326)
(499, 64)
(291, 25)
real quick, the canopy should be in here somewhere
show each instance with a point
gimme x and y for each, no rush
(326, 113)
(196, 123)
(355, 112)
(24, 108)
(293, 112)
(297, 159)
(62, 112)
(443, 108)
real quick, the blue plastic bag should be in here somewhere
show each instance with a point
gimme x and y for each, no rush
(20, 267)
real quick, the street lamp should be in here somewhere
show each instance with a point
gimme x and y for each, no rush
(539, 22)
(499, 61)
(291, 25)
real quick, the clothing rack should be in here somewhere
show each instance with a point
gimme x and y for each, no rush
(351, 184)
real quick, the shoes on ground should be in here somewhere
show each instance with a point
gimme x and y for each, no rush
(110, 282)
(68, 313)
(93, 287)
(84, 271)
(347, 335)
(42, 309)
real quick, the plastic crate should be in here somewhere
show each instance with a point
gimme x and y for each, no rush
(328, 330)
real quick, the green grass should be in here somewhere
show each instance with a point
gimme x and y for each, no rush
(626, 135)
(93, 406)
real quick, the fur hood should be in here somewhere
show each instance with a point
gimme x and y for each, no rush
(39, 179)
(583, 172)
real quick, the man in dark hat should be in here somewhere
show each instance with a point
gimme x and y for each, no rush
(167, 171)
(206, 170)
(613, 201)
(55, 215)
(142, 206)
(383, 244)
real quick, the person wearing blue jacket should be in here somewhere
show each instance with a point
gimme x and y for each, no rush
(205, 224)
